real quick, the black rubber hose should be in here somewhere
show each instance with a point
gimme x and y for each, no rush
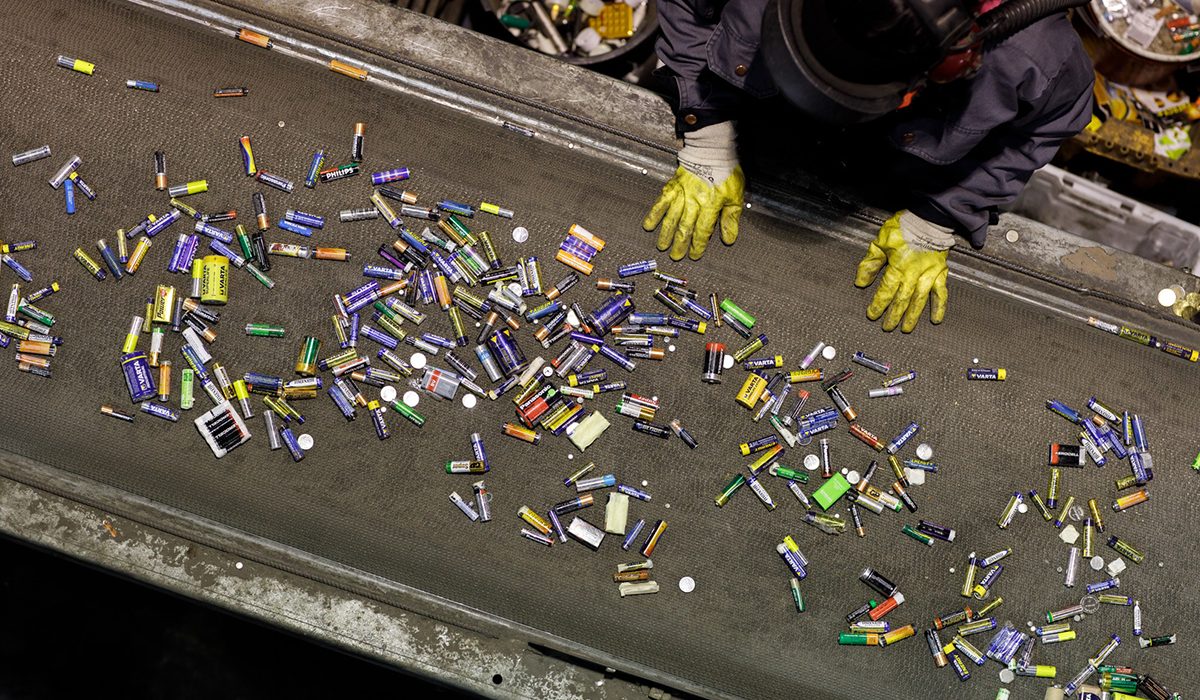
(1015, 15)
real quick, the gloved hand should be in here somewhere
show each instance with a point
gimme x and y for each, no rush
(914, 251)
(708, 183)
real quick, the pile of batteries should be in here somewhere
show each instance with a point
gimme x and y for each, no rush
(875, 631)
(581, 28)
(450, 268)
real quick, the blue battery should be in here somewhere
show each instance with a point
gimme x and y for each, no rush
(637, 268)
(506, 351)
(139, 378)
(17, 267)
(314, 169)
(69, 194)
(263, 381)
(295, 228)
(304, 218)
(455, 207)
(633, 534)
(275, 181)
(159, 410)
(382, 272)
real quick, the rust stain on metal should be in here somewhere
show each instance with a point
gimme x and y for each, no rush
(1093, 261)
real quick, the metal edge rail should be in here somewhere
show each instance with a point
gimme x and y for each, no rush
(356, 582)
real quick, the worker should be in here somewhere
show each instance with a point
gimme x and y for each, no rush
(976, 98)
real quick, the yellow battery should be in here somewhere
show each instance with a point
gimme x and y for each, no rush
(164, 304)
(615, 21)
(214, 288)
(197, 277)
(805, 375)
(528, 515)
(83, 66)
(193, 187)
(752, 390)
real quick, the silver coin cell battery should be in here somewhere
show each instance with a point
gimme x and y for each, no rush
(586, 533)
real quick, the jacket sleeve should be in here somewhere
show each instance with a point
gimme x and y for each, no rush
(709, 49)
(1033, 92)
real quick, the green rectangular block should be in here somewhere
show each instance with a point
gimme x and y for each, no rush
(832, 490)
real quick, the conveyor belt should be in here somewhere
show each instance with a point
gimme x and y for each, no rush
(382, 507)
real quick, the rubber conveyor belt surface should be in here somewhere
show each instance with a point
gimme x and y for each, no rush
(382, 506)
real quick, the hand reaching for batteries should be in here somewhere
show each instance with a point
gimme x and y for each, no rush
(708, 187)
(689, 208)
(915, 252)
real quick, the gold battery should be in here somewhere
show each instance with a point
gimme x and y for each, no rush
(214, 287)
(137, 255)
(164, 304)
(752, 390)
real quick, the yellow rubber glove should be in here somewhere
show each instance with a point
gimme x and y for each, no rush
(708, 185)
(915, 252)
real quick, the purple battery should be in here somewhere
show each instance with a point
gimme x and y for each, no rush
(425, 285)
(139, 378)
(213, 232)
(189, 253)
(384, 339)
(160, 224)
(385, 176)
(578, 248)
(177, 253)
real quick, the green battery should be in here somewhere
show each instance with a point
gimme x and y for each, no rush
(861, 639)
(726, 493)
(917, 535)
(306, 363)
(736, 312)
(264, 330)
(187, 385)
(461, 229)
(403, 409)
(831, 491)
(260, 276)
(788, 473)
(243, 240)
(36, 314)
(797, 597)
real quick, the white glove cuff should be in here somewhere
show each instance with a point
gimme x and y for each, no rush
(923, 235)
(710, 153)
